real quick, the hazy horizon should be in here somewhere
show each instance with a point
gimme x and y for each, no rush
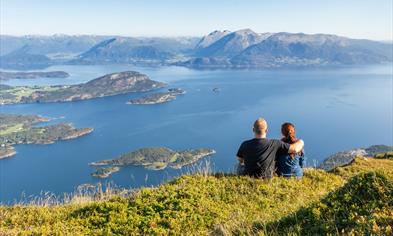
(354, 19)
(177, 36)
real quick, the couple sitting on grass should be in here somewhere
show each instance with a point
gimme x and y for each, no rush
(263, 158)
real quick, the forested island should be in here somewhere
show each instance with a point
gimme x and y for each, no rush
(155, 158)
(157, 98)
(107, 85)
(20, 129)
(105, 172)
(32, 75)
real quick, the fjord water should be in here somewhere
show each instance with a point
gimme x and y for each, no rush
(333, 109)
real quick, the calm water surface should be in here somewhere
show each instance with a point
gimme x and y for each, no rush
(333, 109)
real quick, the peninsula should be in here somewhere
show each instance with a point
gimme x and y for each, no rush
(7, 151)
(154, 158)
(157, 98)
(107, 85)
(32, 75)
(20, 129)
(345, 157)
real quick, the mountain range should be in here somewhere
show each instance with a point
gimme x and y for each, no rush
(219, 49)
(127, 50)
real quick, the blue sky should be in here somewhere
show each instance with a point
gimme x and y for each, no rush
(370, 19)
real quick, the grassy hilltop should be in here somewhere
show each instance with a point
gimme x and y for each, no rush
(356, 199)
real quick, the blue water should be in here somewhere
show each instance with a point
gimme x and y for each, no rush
(333, 110)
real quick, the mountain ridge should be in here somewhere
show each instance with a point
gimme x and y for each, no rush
(219, 49)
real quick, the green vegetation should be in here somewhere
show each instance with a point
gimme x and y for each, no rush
(105, 172)
(388, 155)
(11, 129)
(381, 162)
(345, 157)
(377, 149)
(157, 98)
(20, 129)
(352, 200)
(363, 206)
(157, 158)
(11, 95)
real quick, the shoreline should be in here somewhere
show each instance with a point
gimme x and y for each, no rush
(7, 152)
(157, 98)
(22, 129)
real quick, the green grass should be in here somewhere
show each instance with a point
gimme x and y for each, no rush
(382, 163)
(11, 129)
(363, 206)
(15, 94)
(320, 203)
(174, 158)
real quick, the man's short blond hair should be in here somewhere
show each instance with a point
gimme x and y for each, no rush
(260, 126)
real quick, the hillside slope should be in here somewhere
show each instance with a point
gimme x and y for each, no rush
(229, 44)
(122, 50)
(284, 49)
(23, 59)
(224, 204)
(247, 49)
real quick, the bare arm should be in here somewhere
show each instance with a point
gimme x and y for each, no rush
(296, 147)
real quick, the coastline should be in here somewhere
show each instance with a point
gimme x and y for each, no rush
(22, 129)
(7, 152)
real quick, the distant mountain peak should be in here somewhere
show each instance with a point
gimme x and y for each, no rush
(219, 32)
(211, 38)
(245, 31)
(224, 44)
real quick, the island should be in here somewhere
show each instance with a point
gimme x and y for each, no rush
(105, 171)
(154, 158)
(107, 85)
(157, 98)
(20, 129)
(32, 75)
(345, 157)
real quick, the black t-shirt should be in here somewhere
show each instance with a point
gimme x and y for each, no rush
(259, 156)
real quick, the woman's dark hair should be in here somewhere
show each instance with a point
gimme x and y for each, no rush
(289, 133)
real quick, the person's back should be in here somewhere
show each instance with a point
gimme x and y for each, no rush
(289, 165)
(258, 155)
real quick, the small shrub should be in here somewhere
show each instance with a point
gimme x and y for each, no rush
(362, 206)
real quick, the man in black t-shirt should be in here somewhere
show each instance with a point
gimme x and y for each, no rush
(258, 154)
